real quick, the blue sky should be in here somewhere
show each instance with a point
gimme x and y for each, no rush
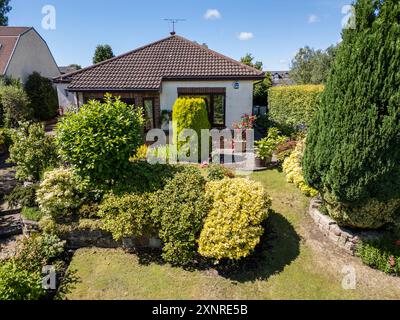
(272, 30)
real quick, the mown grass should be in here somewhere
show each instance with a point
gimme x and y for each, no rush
(282, 268)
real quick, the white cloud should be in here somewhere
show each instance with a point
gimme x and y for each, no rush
(244, 36)
(313, 18)
(283, 61)
(212, 14)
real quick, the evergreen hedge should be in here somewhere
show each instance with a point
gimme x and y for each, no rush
(293, 107)
(353, 152)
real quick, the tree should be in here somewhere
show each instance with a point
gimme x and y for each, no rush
(42, 96)
(99, 140)
(102, 53)
(260, 88)
(352, 154)
(248, 60)
(5, 8)
(75, 66)
(312, 66)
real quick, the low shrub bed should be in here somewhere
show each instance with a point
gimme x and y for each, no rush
(292, 167)
(383, 254)
(21, 277)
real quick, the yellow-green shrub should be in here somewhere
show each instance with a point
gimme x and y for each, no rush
(233, 227)
(294, 172)
(294, 106)
(189, 113)
(126, 216)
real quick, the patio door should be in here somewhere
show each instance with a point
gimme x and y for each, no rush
(148, 105)
(216, 107)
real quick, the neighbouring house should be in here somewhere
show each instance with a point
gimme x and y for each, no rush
(155, 75)
(281, 78)
(68, 69)
(23, 51)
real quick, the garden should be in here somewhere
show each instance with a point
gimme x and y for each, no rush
(114, 225)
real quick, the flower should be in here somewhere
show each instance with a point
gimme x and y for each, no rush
(397, 243)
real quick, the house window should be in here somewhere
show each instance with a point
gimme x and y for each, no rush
(215, 99)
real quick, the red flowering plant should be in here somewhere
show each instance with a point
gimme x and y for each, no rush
(246, 123)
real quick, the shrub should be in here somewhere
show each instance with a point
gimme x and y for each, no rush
(32, 214)
(127, 216)
(266, 146)
(141, 154)
(23, 196)
(42, 96)
(218, 172)
(89, 210)
(15, 106)
(382, 254)
(21, 277)
(37, 251)
(294, 107)
(352, 151)
(32, 151)
(292, 167)
(189, 113)
(372, 214)
(179, 212)
(59, 195)
(100, 139)
(19, 284)
(144, 177)
(233, 228)
(5, 140)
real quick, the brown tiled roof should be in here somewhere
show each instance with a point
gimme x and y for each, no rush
(8, 40)
(173, 58)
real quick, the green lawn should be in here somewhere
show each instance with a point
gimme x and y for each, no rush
(284, 267)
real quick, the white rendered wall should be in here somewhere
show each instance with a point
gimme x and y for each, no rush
(32, 54)
(238, 101)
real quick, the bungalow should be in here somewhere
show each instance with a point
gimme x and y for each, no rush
(155, 75)
(22, 52)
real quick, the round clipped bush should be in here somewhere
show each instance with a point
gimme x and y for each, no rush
(59, 195)
(352, 151)
(233, 227)
(179, 212)
(127, 216)
(189, 113)
(100, 139)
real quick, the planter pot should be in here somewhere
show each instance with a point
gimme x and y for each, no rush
(262, 163)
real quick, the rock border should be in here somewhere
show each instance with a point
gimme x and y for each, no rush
(344, 238)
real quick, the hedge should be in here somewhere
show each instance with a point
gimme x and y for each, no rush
(293, 107)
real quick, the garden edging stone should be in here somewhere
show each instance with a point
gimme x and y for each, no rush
(344, 238)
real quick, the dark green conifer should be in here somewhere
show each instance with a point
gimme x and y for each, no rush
(353, 147)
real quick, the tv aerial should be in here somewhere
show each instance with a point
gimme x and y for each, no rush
(174, 22)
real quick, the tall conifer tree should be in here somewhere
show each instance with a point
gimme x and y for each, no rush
(353, 147)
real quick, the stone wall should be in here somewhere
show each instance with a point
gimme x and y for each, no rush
(344, 238)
